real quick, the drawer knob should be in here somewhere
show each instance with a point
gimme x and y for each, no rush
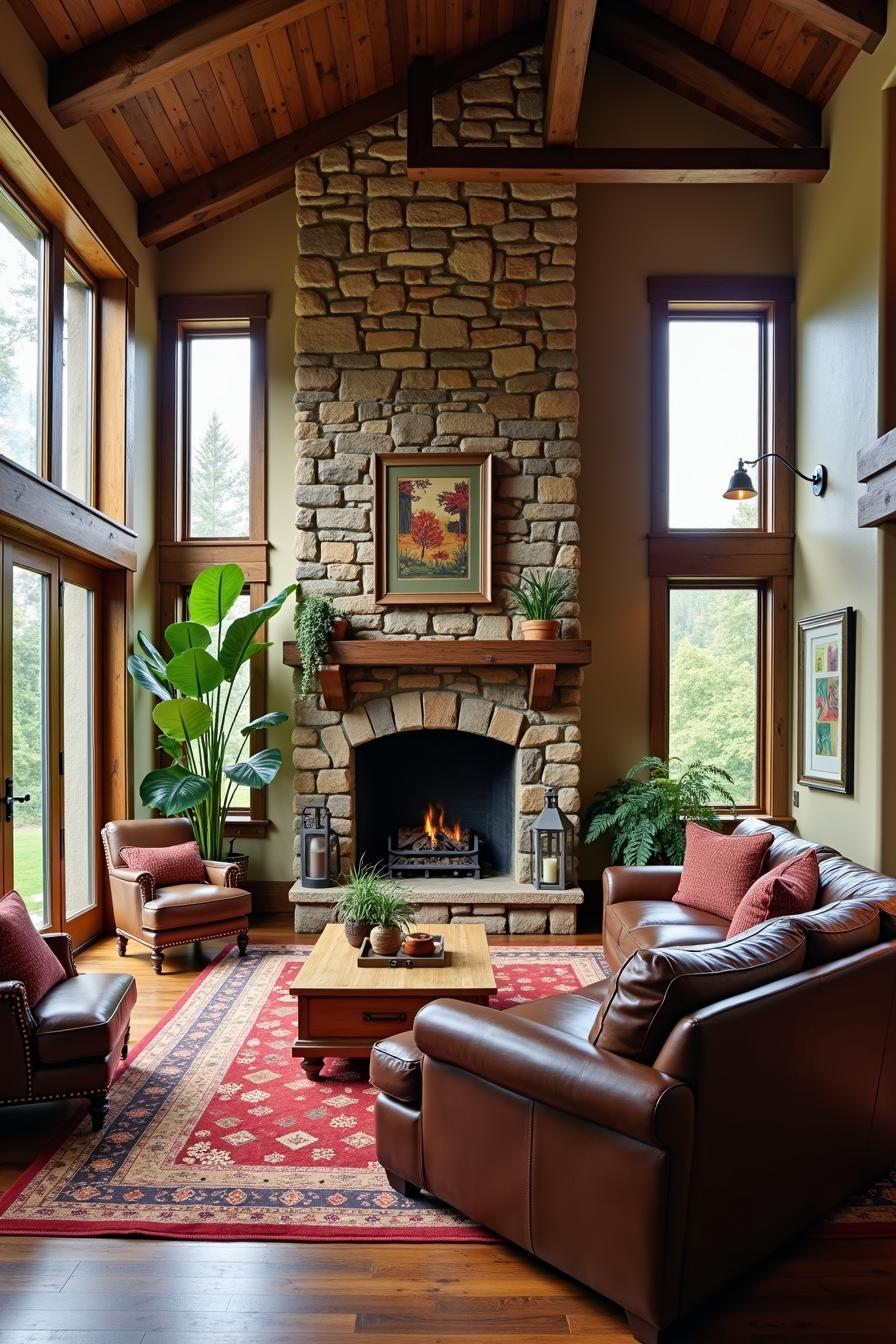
(385, 1017)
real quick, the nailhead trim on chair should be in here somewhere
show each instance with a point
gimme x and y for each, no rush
(18, 997)
(180, 942)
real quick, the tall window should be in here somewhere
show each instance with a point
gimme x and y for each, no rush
(47, 352)
(721, 571)
(212, 457)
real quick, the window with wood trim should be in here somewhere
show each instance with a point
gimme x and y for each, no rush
(720, 571)
(48, 351)
(212, 507)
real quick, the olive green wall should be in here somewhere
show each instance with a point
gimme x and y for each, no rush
(838, 244)
(255, 252)
(24, 69)
(625, 235)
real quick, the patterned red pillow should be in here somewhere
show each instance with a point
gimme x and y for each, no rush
(789, 889)
(170, 865)
(23, 953)
(719, 869)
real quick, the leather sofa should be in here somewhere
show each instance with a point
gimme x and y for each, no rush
(69, 1043)
(656, 1183)
(170, 916)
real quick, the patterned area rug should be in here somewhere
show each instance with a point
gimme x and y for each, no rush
(214, 1132)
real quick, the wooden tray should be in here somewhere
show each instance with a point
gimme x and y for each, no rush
(401, 960)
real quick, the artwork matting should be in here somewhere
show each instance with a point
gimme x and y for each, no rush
(826, 690)
(432, 528)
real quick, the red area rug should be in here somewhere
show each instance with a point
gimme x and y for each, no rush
(214, 1132)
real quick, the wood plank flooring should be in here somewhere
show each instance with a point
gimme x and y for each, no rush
(136, 1291)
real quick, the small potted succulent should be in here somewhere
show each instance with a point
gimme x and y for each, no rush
(538, 599)
(316, 622)
(356, 907)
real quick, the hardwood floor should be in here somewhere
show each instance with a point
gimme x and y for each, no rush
(119, 1291)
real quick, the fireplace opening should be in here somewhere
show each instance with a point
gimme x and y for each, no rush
(436, 803)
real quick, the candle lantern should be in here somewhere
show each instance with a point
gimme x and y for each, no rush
(318, 848)
(551, 833)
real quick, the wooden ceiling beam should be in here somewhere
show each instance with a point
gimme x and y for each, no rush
(253, 177)
(650, 44)
(565, 163)
(861, 23)
(565, 60)
(90, 81)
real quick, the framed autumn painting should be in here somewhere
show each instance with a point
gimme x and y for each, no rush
(433, 527)
(827, 700)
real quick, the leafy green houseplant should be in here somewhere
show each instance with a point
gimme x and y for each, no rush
(316, 621)
(538, 598)
(201, 694)
(372, 899)
(645, 813)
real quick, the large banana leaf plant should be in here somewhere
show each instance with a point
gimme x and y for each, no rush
(200, 704)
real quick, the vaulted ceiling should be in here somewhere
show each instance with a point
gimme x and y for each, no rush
(204, 106)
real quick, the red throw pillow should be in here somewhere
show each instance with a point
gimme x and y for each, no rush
(789, 889)
(719, 869)
(170, 865)
(23, 953)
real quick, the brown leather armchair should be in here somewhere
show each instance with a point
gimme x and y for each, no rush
(160, 917)
(70, 1042)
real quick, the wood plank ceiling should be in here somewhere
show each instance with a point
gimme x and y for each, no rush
(191, 118)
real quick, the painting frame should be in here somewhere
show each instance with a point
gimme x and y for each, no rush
(826, 698)
(393, 587)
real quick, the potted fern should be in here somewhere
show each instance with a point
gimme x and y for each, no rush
(538, 598)
(201, 695)
(645, 813)
(316, 622)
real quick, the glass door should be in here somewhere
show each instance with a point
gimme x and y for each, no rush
(48, 727)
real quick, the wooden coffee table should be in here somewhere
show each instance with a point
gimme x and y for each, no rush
(344, 1008)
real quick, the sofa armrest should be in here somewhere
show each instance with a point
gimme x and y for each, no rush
(557, 1070)
(60, 944)
(16, 1025)
(135, 877)
(640, 884)
(221, 872)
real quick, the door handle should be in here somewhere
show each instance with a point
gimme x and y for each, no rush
(9, 799)
(385, 1017)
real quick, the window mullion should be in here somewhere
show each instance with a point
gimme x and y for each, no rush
(52, 467)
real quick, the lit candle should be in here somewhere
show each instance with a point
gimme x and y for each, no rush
(550, 869)
(317, 857)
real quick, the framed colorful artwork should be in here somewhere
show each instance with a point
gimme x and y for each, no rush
(827, 700)
(432, 527)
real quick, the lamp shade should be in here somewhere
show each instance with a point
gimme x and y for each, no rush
(740, 486)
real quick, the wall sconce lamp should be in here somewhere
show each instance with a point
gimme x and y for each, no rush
(741, 486)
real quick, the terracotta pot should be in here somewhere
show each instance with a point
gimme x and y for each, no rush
(385, 940)
(418, 944)
(540, 629)
(356, 930)
(340, 628)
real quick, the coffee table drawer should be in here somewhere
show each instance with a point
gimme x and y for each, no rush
(368, 1017)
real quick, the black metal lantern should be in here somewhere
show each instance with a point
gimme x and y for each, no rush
(318, 848)
(551, 832)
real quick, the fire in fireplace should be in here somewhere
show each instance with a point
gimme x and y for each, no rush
(437, 848)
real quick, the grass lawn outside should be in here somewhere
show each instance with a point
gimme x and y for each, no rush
(28, 869)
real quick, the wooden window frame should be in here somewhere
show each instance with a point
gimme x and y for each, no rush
(180, 556)
(761, 557)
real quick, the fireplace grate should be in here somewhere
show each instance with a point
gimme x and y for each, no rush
(410, 861)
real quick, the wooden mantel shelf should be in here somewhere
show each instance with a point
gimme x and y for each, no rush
(543, 656)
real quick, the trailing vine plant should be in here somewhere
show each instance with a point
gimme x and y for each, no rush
(314, 617)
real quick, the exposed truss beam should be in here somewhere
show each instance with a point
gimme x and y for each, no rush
(650, 44)
(565, 60)
(270, 169)
(862, 23)
(564, 163)
(128, 62)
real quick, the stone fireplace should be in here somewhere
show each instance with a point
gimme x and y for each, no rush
(439, 317)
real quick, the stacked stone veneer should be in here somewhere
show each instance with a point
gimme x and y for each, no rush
(438, 317)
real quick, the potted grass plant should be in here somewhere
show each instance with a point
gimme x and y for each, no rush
(356, 906)
(316, 622)
(201, 694)
(538, 598)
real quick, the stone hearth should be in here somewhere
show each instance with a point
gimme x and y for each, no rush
(439, 317)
